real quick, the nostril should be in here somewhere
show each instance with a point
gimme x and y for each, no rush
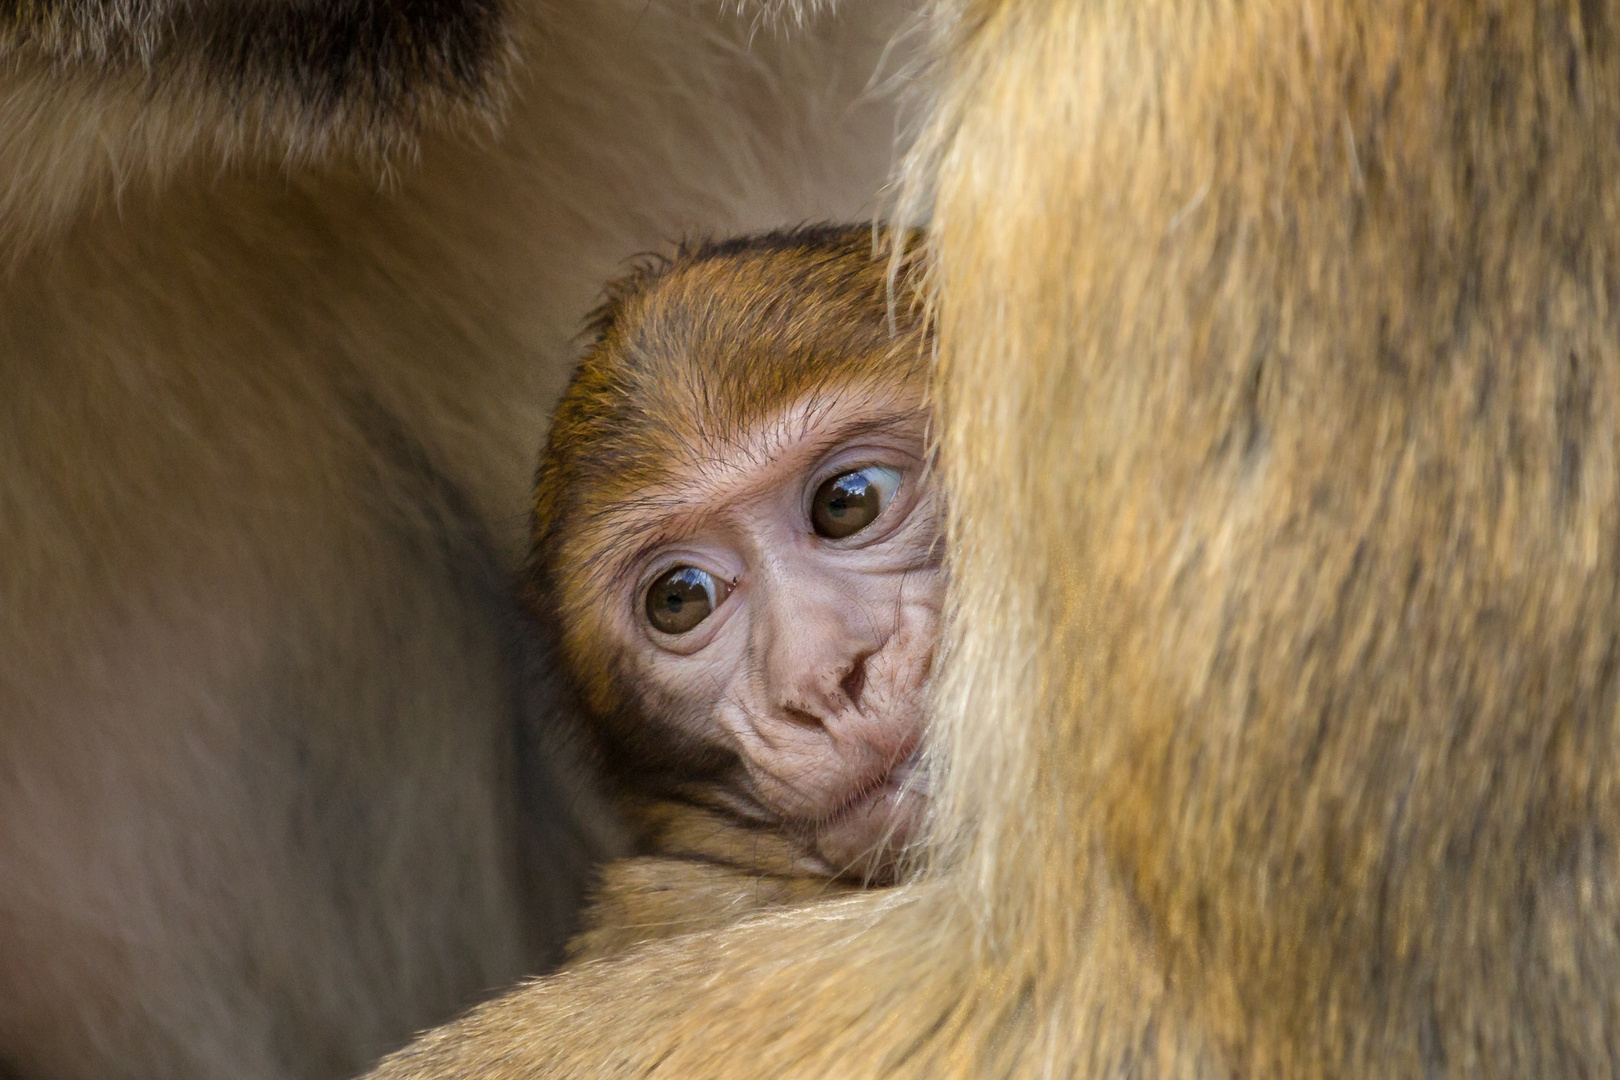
(800, 716)
(854, 681)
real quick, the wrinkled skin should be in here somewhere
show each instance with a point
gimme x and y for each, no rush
(813, 666)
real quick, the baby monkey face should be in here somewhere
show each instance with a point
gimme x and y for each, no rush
(785, 604)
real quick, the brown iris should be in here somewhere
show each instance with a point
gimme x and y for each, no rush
(681, 598)
(849, 502)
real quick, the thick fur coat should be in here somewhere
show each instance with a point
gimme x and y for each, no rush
(1277, 733)
(285, 301)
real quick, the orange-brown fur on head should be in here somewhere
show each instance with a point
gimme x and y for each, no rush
(689, 355)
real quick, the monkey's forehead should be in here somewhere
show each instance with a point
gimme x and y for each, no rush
(668, 405)
(703, 467)
(614, 509)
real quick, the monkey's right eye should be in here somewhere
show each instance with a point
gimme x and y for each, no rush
(683, 597)
(849, 502)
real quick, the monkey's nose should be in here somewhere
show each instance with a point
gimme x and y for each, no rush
(854, 680)
(851, 684)
(802, 717)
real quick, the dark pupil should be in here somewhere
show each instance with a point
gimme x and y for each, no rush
(845, 505)
(678, 600)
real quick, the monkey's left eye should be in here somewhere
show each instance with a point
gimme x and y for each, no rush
(849, 502)
(683, 597)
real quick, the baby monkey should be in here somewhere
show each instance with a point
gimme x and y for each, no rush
(738, 542)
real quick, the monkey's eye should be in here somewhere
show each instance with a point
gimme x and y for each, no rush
(683, 597)
(849, 502)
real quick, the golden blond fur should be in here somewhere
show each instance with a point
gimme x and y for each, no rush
(275, 789)
(707, 871)
(1279, 387)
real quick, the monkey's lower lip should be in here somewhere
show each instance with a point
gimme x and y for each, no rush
(863, 836)
(907, 775)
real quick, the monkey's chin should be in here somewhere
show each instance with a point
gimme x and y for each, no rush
(865, 841)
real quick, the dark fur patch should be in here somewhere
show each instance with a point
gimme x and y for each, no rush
(361, 61)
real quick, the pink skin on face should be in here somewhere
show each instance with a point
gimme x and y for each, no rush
(813, 663)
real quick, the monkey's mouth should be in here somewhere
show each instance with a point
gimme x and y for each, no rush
(907, 775)
(864, 837)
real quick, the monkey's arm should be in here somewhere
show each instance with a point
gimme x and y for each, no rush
(707, 872)
(654, 897)
(880, 983)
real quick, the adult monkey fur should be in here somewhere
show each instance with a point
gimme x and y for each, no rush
(287, 291)
(737, 540)
(1279, 390)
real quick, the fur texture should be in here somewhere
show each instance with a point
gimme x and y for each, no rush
(1279, 400)
(268, 800)
(708, 871)
(687, 357)
(97, 94)
(370, 66)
